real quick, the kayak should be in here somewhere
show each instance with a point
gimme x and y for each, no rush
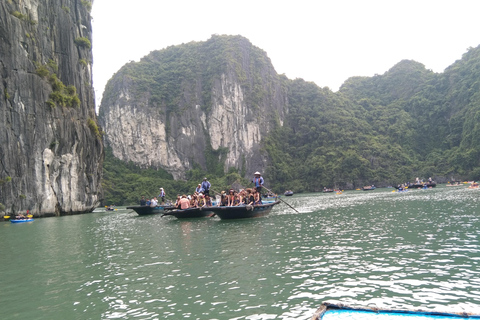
(20, 220)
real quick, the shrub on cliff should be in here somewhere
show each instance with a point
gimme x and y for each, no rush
(83, 42)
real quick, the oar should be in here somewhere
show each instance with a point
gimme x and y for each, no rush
(282, 200)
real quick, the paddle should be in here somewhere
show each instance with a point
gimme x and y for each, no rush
(281, 200)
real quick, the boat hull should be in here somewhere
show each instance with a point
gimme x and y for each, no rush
(204, 212)
(330, 311)
(20, 220)
(147, 210)
(243, 212)
(419, 185)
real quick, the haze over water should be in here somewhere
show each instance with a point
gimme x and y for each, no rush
(418, 249)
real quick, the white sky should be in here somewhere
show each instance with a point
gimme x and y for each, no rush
(324, 41)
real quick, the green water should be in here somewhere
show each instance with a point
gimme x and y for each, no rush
(416, 249)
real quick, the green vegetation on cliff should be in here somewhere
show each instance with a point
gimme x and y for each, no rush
(384, 130)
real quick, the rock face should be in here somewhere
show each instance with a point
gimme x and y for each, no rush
(50, 149)
(170, 108)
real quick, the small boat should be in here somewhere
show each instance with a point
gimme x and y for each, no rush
(330, 311)
(147, 210)
(201, 212)
(20, 220)
(456, 184)
(368, 188)
(241, 212)
(327, 190)
(288, 193)
(474, 185)
(419, 185)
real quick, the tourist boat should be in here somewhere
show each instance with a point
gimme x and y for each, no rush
(419, 185)
(422, 185)
(20, 220)
(327, 190)
(368, 188)
(288, 193)
(241, 212)
(201, 212)
(147, 210)
(330, 311)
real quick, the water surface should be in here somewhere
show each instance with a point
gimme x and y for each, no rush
(418, 249)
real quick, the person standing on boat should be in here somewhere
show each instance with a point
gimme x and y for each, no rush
(162, 195)
(143, 202)
(206, 186)
(258, 182)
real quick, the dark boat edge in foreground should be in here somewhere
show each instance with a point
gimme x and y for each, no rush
(326, 306)
(147, 210)
(242, 212)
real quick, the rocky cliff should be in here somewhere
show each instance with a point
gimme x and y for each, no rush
(50, 146)
(179, 106)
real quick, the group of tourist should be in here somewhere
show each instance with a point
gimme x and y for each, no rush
(201, 196)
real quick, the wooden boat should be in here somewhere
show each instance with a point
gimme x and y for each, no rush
(330, 311)
(368, 188)
(147, 210)
(20, 220)
(190, 213)
(422, 185)
(419, 185)
(241, 212)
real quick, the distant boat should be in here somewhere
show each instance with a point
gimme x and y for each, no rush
(418, 185)
(147, 210)
(329, 311)
(288, 193)
(241, 212)
(456, 184)
(201, 212)
(327, 190)
(20, 220)
(368, 188)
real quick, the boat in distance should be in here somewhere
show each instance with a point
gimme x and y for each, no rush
(201, 212)
(244, 211)
(20, 220)
(329, 311)
(148, 210)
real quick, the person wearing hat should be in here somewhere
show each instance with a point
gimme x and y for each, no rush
(162, 195)
(206, 187)
(258, 182)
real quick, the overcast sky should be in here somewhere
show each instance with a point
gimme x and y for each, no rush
(324, 41)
